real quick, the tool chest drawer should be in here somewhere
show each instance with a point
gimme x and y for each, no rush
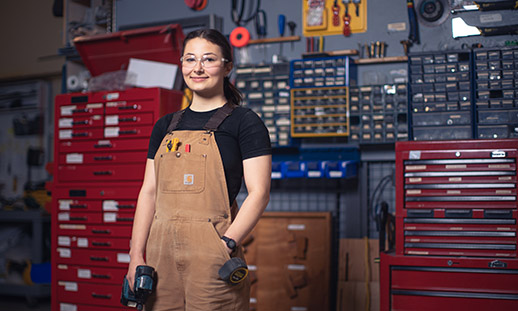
(80, 217)
(100, 173)
(73, 273)
(111, 191)
(128, 131)
(81, 121)
(66, 306)
(96, 205)
(99, 158)
(81, 133)
(94, 230)
(88, 293)
(79, 110)
(92, 257)
(102, 145)
(130, 118)
(74, 241)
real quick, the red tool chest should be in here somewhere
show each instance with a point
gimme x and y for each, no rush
(100, 151)
(456, 224)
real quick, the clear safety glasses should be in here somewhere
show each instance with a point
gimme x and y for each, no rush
(207, 61)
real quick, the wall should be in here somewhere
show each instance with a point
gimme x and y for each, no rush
(380, 13)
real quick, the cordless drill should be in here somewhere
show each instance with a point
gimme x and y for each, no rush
(143, 287)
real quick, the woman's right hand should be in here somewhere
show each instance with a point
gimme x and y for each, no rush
(130, 275)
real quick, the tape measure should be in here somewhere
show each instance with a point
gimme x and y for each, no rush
(234, 271)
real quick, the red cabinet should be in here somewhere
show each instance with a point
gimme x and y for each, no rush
(456, 227)
(100, 155)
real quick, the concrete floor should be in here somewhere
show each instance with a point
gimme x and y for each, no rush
(10, 303)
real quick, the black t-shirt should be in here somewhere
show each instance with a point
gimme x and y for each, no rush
(241, 136)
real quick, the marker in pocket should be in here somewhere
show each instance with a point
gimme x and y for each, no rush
(187, 147)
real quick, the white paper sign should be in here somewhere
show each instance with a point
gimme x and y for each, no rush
(145, 73)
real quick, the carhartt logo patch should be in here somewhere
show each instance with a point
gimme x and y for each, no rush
(188, 179)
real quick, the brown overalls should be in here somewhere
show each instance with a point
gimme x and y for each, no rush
(192, 213)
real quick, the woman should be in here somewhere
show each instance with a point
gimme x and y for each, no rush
(186, 219)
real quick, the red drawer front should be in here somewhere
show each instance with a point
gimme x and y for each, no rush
(463, 204)
(460, 167)
(103, 145)
(80, 122)
(455, 250)
(91, 257)
(471, 194)
(99, 158)
(130, 106)
(80, 110)
(64, 306)
(116, 172)
(462, 280)
(81, 133)
(458, 227)
(90, 274)
(97, 205)
(94, 242)
(105, 192)
(434, 303)
(93, 230)
(461, 180)
(124, 131)
(130, 118)
(457, 152)
(473, 237)
(125, 217)
(87, 293)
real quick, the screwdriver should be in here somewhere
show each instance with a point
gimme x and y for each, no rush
(357, 4)
(281, 22)
(292, 26)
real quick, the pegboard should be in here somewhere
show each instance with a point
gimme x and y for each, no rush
(317, 22)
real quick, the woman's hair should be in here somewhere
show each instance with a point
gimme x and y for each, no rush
(232, 94)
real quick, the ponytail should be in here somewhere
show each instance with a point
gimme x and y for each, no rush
(232, 93)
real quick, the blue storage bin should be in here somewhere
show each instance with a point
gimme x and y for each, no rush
(314, 169)
(293, 169)
(340, 169)
(277, 170)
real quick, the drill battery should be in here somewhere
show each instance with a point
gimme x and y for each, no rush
(142, 289)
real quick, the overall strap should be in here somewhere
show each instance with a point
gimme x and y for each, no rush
(219, 116)
(175, 120)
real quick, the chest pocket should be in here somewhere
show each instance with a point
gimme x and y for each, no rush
(182, 172)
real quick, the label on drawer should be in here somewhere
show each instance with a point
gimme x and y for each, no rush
(111, 120)
(414, 155)
(84, 273)
(65, 122)
(67, 307)
(63, 241)
(69, 286)
(297, 227)
(82, 242)
(123, 257)
(64, 216)
(64, 205)
(110, 205)
(65, 134)
(74, 158)
(111, 132)
(112, 96)
(296, 267)
(110, 217)
(335, 174)
(67, 110)
(64, 252)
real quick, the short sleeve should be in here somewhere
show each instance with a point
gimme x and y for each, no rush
(157, 135)
(254, 139)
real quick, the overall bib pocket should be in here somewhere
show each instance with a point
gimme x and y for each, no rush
(182, 172)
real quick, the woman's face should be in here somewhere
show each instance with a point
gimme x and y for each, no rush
(205, 79)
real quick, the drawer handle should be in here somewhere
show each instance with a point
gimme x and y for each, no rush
(101, 244)
(78, 206)
(103, 145)
(106, 158)
(79, 218)
(101, 296)
(133, 119)
(100, 231)
(126, 206)
(101, 276)
(80, 122)
(84, 134)
(124, 218)
(98, 258)
(133, 107)
(128, 132)
(99, 173)
(80, 110)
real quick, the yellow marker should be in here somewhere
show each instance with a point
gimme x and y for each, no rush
(176, 141)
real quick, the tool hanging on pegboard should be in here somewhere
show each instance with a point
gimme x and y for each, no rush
(196, 5)
(432, 13)
(238, 15)
(347, 19)
(336, 14)
(333, 17)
